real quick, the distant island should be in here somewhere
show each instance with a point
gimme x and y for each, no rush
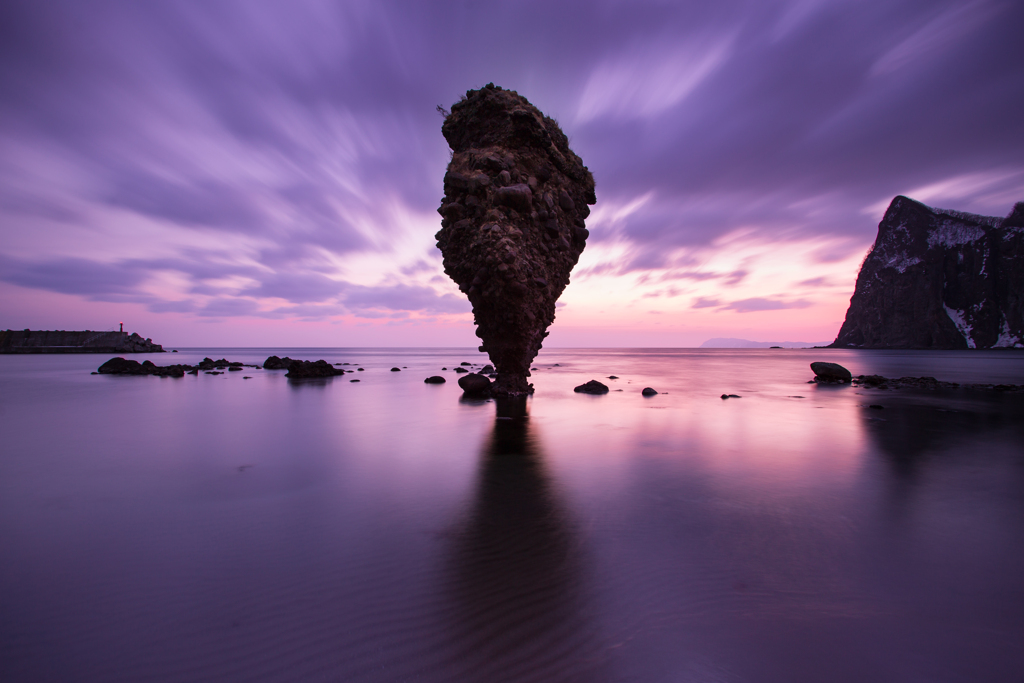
(730, 343)
(69, 341)
(939, 279)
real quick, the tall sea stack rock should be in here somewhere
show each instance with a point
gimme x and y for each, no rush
(938, 279)
(512, 228)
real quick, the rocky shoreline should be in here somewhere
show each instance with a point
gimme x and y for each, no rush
(833, 373)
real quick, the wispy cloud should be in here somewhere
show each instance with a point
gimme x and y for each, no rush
(646, 80)
(757, 304)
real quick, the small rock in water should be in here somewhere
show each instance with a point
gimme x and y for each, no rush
(461, 370)
(465, 363)
(307, 369)
(275, 363)
(475, 385)
(831, 372)
(436, 379)
(234, 369)
(487, 369)
(396, 369)
(648, 391)
(353, 380)
(725, 396)
(591, 387)
(612, 377)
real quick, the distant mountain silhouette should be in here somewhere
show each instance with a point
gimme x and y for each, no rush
(730, 343)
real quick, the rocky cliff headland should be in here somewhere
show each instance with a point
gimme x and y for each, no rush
(515, 200)
(939, 279)
(66, 341)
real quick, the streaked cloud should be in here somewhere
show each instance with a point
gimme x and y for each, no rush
(757, 304)
(646, 80)
(236, 160)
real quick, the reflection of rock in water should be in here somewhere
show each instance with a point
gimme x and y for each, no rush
(513, 223)
(909, 432)
(517, 605)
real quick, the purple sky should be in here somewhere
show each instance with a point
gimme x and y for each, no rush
(268, 173)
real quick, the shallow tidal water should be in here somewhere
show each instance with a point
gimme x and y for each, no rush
(215, 528)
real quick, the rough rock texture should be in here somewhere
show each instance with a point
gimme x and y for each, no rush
(68, 341)
(938, 279)
(515, 200)
(275, 363)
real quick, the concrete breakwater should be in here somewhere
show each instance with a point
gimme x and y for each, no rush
(72, 341)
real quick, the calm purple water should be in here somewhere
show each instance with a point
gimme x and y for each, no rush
(216, 528)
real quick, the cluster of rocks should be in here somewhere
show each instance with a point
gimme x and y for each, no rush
(210, 364)
(275, 363)
(833, 373)
(879, 382)
(121, 366)
(303, 369)
(515, 200)
(312, 369)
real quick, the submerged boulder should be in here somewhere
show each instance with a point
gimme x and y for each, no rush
(515, 200)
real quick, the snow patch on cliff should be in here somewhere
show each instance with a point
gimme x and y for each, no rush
(957, 317)
(1007, 338)
(901, 262)
(990, 221)
(951, 233)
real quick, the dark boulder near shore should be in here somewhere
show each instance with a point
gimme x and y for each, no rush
(591, 387)
(475, 385)
(648, 391)
(312, 369)
(513, 223)
(830, 373)
(939, 279)
(436, 379)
